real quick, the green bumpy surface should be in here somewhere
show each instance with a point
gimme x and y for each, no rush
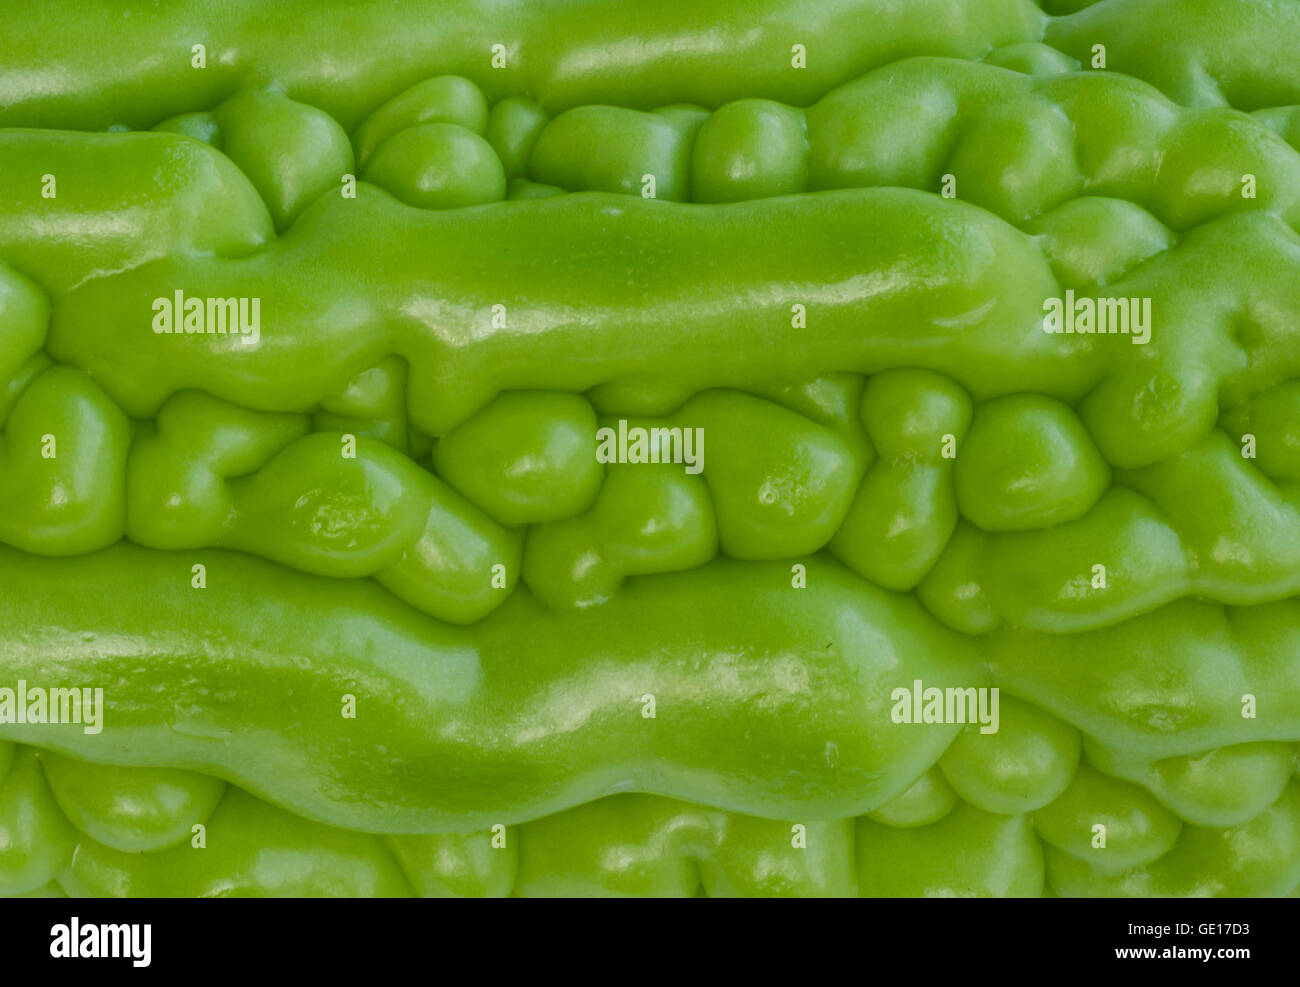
(373, 612)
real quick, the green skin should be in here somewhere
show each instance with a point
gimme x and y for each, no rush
(488, 733)
(380, 337)
(1094, 680)
(348, 58)
(1014, 784)
(356, 280)
(624, 845)
(211, 474)
(1153, 548)
(467, 365)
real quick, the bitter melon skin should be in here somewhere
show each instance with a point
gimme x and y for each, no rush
(374, 614)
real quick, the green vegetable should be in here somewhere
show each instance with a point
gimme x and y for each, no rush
(486, 731)
(593, 450)
(640, 845)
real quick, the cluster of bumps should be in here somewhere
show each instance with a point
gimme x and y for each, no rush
(1109, 533)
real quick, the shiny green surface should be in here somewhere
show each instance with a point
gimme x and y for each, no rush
(644, 846)
(372, 615)
(486, 731)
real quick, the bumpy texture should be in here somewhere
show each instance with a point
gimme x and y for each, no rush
(373, 612)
